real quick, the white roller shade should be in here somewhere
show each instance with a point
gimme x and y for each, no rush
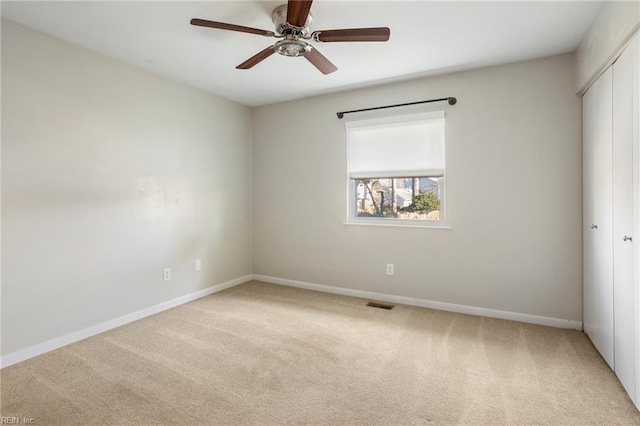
(398, 147)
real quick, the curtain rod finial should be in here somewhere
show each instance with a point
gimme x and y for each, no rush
(340, 115)
(452, 101)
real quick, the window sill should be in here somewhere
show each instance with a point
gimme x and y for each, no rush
(398, 225)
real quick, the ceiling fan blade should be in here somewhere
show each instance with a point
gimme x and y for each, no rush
(353, 34)
(230, 27)
(320, 61)
(298, 11)
(257, 58)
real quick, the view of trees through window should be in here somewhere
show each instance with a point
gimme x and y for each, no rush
(414, 198)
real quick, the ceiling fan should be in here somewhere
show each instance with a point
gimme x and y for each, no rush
(292, 21)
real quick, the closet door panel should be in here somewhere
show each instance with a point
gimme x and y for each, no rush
(623, 285)
(635, 46)
(598, 215)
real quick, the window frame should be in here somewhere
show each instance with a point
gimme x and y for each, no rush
(353, 219)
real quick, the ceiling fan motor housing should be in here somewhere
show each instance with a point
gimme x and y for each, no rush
(279, 18)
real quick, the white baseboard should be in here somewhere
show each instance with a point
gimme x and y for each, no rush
(58, 342)
(452, 307)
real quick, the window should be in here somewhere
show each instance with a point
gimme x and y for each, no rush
(396, 170)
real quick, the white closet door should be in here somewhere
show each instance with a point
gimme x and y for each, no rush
(636, 206)
(623, 285)
(598, 215)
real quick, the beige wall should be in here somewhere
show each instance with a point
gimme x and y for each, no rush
(612, 29)
(513, 194)
(109, 175)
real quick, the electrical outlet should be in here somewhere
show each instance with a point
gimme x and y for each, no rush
(389, 268)
(166, 274)
(198, 264)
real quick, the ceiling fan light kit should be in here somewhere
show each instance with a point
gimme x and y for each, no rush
(292, 47)
(292, 22)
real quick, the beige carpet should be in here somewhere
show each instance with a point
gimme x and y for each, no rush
(265, 354)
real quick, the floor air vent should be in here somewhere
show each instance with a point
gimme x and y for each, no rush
(380, 305)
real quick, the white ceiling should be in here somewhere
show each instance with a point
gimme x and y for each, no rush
(427, 38)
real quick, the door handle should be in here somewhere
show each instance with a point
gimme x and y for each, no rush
(626, 238)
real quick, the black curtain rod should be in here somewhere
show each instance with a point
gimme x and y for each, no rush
(452, 101)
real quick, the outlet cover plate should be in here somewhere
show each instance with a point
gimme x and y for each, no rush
(389, 268)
